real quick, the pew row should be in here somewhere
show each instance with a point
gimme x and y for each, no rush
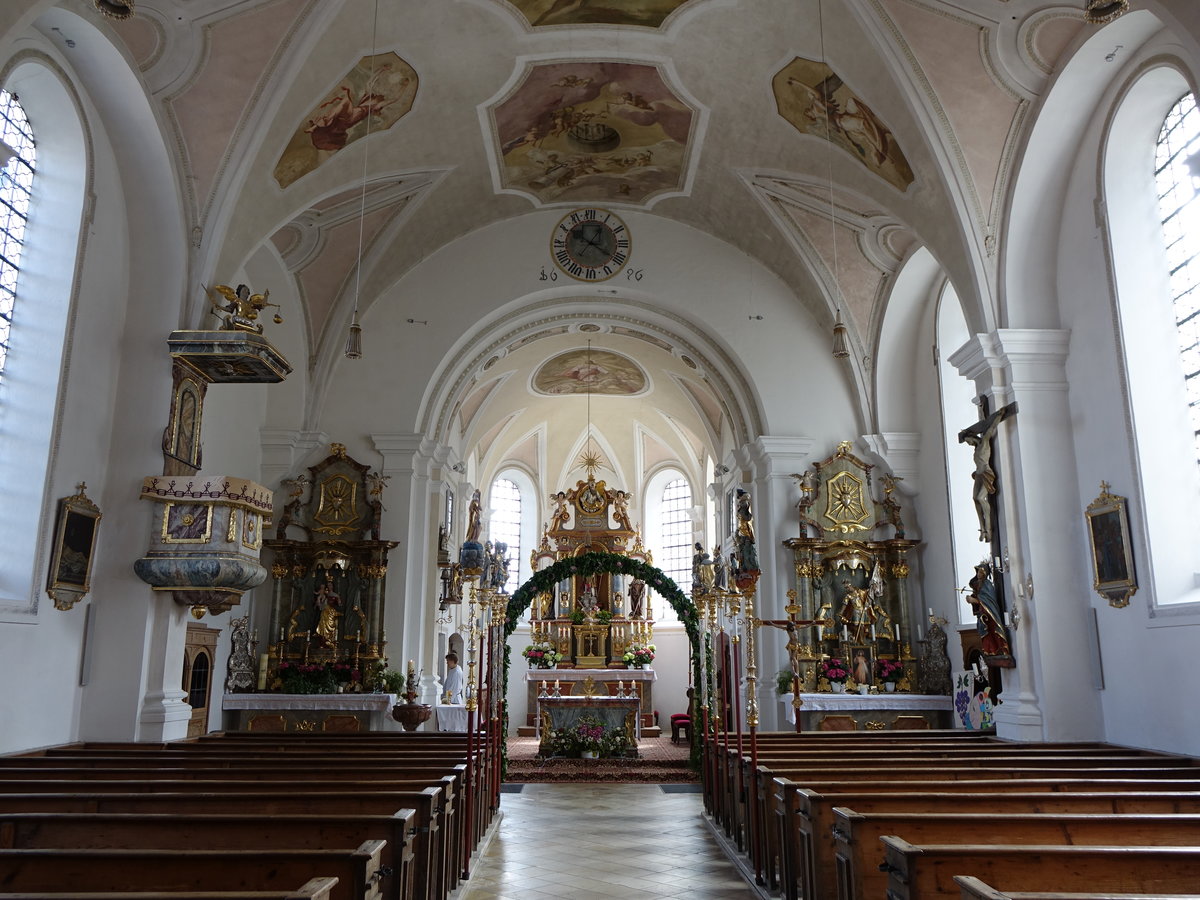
(974, 889)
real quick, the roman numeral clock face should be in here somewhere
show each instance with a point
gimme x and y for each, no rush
(590, 244)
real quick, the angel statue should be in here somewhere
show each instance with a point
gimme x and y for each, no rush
(242, 308)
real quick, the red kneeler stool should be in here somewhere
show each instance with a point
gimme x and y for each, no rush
(681, 722)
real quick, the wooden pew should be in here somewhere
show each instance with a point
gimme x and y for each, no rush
(804, 815)
(859, 853)
(176, 831)
(921, 872)
(974, 889)
(357, 870)
(313, 889)
(431, 866)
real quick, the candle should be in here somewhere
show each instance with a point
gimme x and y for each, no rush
(262, 672)
(845, 632)
(556, 688)
(931, 612)
(896, 631)
(872, 631)
(412, 667)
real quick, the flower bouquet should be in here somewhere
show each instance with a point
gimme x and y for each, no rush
(835, 672)
(306, 678)
(890, 672)
(541, 655)
(638, 655)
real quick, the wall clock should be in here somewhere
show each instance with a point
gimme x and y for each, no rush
(590, 244)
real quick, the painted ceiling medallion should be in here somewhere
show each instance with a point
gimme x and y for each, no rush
(800, 88)
(381, 88)
(592, 132)
(646, 13)
(592, 371)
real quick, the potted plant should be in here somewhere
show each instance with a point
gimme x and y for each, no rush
(784, 681)
(890, 672)
(638, 656)
(835, 672)
(589, 737)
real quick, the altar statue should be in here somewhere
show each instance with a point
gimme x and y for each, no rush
(327, 602)
(620, 501)
(858, 612)
(500, 563)
(587, 598)
(637, 597)
(558, 518)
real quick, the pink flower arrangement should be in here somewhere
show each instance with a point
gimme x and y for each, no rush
(890, 670)
(833, 670)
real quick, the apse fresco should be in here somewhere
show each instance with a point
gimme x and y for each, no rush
(649, 13)
(592, 132)
(587, 371)
(800, 88)
(379, 89)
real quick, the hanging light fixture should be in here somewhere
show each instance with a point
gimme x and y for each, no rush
(1101, 12)
(354, 338)
(840, 348)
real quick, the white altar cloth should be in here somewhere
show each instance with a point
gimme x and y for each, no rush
(843, 702)
(451, 716)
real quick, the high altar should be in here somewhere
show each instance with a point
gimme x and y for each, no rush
(592, 620)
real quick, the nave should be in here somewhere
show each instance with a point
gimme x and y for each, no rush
(600, 841)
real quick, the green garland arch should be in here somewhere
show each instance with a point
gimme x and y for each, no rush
(597, 563)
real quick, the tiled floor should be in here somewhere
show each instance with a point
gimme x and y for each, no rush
(603, 842)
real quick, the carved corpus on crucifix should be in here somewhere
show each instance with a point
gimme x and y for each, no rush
(980, 436)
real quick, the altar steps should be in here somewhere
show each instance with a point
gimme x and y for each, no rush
(648, 731)
(612, 771)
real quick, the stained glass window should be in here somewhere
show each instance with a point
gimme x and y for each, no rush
(1177, 170)
(16, 182)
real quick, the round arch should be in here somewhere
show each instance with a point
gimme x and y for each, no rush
(607, 563)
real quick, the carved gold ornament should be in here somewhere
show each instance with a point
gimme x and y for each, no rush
(846, 508)
(337, 508)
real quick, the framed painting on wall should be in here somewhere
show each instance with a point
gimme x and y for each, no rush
(70, 575)
(1112, 551)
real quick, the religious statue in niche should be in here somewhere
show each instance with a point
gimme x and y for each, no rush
(637, 597)
(858, 612)
(328, 604)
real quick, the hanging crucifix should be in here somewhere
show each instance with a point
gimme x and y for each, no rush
(986, 587)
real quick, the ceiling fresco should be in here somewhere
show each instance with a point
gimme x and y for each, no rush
(800, 90)
(592, 132)
(647, 13)
(379, 90)
(589, 371)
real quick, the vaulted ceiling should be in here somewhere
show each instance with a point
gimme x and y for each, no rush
(826, 139)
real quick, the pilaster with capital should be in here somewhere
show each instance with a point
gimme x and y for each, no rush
(412, 584)
(1042, 527)
(772, 459)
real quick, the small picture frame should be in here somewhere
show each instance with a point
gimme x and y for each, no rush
(861, 663)
(75, 529)
(1112, 552)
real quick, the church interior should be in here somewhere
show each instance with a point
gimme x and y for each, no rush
(632, 351)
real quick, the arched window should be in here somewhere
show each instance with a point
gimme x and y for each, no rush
(16, 185)
(506, 525)
(675, 534)
(1177, 173)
